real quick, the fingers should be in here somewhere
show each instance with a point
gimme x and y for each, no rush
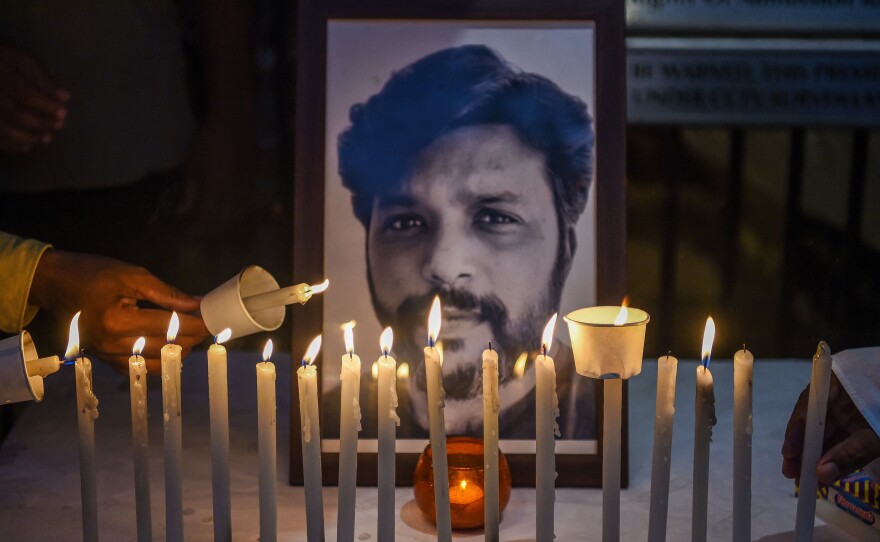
(855, 452)
(793, 444)
(150, 288)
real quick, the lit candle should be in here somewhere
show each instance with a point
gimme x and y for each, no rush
(667, 367)
(704, 421)
(813, 436)
(546, 428)
(87, 413)
(491, 405)
(218, 397)
(307, 381)
(742, 445)
(388, 422)
(299, 293)
(266, 434)
(171, 414)
(437, 423)
(349, 425)
(137, 373)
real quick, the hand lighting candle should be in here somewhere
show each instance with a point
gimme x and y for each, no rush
(87, 413)
(546, 429)
(137, 372)
(491, 405)
(218, 397)
(266, 431)
(349, 425)
(299, 293)
(704, 421)
(388, 422)
(171, 413)
(437, 422)
(307, 381)
(667, 367)
(742, 445)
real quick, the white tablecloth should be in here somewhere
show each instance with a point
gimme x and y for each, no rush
(39, 470)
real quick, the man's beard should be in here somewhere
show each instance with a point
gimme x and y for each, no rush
(513, 337)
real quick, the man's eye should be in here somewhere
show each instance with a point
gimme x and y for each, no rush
(487, 217)
(404, 223)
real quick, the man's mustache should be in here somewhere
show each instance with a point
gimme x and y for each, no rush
(488, 308)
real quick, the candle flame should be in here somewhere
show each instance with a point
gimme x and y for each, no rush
(708, 339)
(267, 350)
(138, 346)
(463, 484)
(73, 340)
(434, 321)
(318, 288)
(403, 371)
(375, 370)
(547, 339)
(519, 366)
(312, 351)
(350, 323)
(349, 338)
(623, 314)
(224, 336)
(386, 341)
(173, 327)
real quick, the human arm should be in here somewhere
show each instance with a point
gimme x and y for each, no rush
(852, 423)
(32, 106)
(107, 292)
(18, 262)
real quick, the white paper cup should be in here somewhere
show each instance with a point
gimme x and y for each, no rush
(223, 307)
(604, 350)
(15, 384)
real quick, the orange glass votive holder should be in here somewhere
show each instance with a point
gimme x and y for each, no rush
(466, 482)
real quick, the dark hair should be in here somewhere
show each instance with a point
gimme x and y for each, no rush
(457, 87)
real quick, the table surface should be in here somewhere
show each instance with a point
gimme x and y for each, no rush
(39, 468)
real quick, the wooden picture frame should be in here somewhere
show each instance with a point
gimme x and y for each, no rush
(318, 70)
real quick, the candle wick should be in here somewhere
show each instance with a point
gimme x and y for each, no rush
(430, 341)
(669, 354)
(744, 347)
(544, 350)
(304, 362)
(490, 345)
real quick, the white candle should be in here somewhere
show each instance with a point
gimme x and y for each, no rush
(307, 381)
(813, 436)
(349, 425)
(437, 423)
(611, 435)
(218, 398)
(667, 367)
(742, 445)
(546, 428)
(299, 293)
(388, 422)
(266, 432)
(705, 420)
(491, 405)
(87, 413)
(137, 372)
(171, 414)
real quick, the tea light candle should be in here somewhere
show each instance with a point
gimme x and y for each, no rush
(813, 435)
(349, 425)
(742, 445)
(307, 382)
(388, 422)
(266, 432)
(87, 413)
(171, 413)
(667, 368)
(705, 420)
(546, 429)
(491, 405)
(437, 423)
(137, 372)
(218, 398)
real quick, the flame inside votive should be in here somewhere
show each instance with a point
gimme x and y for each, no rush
(318, 288)
(312, 351)
(708, 339)
(267, 350)
(547, 338)
(434, 321)
(138, 346)
(374, 370)
(623, 314)
(386, 341)
(224, 336)
(173, 327)
(73, 340)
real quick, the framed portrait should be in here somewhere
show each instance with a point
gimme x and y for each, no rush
(472, 151)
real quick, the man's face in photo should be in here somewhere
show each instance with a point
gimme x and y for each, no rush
(475, 222)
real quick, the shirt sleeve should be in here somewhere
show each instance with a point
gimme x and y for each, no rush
(859, 372)
(18, 262)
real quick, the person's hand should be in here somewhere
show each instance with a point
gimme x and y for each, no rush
(849, 442)
(32, 105)
(107, 292)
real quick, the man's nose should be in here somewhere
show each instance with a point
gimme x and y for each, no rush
(449, 262)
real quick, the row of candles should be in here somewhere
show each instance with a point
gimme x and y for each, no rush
(350, 416)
